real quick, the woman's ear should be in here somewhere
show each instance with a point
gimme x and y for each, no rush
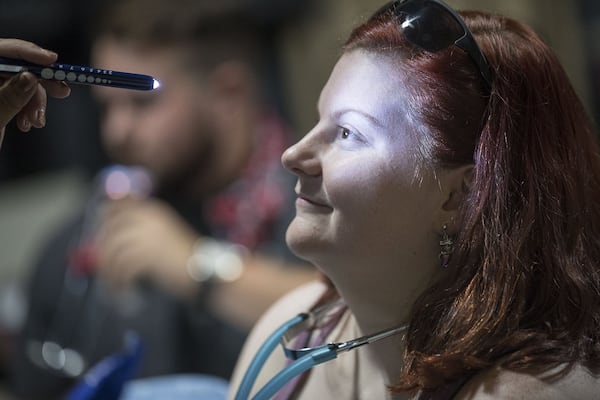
(455, 185)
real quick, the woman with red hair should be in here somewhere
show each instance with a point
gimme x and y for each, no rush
(450, 193)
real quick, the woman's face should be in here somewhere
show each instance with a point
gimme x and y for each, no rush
(362, 208)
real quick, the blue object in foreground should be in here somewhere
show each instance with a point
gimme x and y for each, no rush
(179, 387)
(106, 380)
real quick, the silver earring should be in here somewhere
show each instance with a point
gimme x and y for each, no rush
(446, 246)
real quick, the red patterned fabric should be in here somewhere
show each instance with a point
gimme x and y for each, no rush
(247, 211)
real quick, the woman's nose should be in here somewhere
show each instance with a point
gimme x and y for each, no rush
(302, 158)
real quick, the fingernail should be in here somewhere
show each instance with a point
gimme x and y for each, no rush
(40, 116)
(51, 53)
(67, 87)
(26, 82)
(25, 125)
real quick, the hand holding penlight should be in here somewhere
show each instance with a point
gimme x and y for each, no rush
(80, 75)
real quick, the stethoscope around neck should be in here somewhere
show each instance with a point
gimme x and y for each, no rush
(303, 359)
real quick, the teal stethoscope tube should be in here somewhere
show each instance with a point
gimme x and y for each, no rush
(302, 364)
(260, 358)
(310, 358)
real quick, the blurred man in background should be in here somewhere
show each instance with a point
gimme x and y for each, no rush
(191, 259)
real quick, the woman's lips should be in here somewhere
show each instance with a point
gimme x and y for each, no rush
(308, 202)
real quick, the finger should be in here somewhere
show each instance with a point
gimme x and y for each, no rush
(15, 94)
(34, 112)
(124, 211)
(109, 252)
(113, 220)
(117, 264)
(111, 237)
(56, 89)
(21, 49)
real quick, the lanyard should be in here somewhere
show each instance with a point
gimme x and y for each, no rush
(309, 358)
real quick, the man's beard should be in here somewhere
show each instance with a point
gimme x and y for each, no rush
(189, 179)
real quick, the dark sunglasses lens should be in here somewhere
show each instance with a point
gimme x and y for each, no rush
(431, 27)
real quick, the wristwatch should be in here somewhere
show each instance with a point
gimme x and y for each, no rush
(216, 260)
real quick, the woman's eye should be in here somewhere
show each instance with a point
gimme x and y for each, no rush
(349, 134)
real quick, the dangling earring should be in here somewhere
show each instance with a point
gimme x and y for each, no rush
(446, 246)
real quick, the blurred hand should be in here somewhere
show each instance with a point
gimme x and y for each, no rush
(24, 96)
(145, 238)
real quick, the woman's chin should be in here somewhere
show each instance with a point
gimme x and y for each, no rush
(303, 243)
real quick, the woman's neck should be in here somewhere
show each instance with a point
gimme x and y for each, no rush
(385, 354)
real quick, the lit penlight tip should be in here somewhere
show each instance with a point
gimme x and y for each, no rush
(155, 84)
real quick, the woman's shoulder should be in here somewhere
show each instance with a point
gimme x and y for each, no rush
(498, 383)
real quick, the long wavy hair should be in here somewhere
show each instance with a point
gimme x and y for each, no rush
(523, 288)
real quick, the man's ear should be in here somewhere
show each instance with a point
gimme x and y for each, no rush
(455, 184)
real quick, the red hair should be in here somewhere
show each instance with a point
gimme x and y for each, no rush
(523, 288)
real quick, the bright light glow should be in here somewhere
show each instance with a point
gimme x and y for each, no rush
(156, 84)
(117, 185)
(408, 22)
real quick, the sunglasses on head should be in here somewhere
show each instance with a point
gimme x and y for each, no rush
(433, 26)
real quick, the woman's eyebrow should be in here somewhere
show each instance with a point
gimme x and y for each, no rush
(338, 114)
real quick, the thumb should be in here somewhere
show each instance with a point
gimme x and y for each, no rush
(15, 93)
